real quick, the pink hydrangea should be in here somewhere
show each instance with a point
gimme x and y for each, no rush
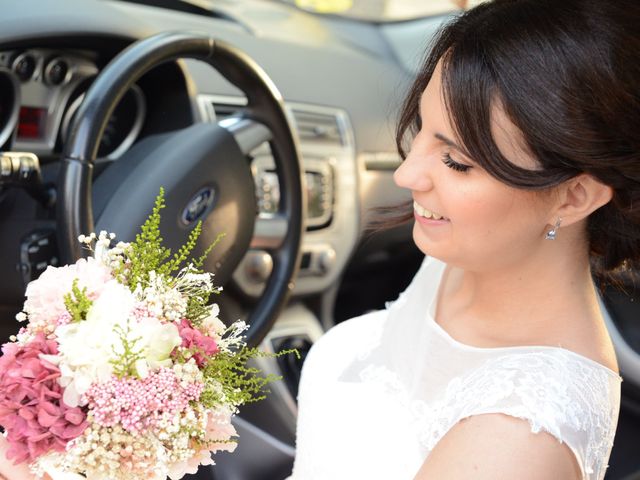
(45, 296)
(200, 344)
(32, 412)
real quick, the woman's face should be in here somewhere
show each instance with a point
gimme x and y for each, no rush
(463, 215)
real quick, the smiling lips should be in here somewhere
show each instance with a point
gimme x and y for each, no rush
(423, 212)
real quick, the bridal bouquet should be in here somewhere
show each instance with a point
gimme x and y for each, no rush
(123, 369)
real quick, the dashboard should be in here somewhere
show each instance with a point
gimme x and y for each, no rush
(326, 74)
(43, 89)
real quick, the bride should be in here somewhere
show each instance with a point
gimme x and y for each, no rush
(524, 170)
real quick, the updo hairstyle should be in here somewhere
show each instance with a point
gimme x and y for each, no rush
(567, 74)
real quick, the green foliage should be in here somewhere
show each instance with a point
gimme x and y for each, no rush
(147, 253)
(229, 378)
(198, 262)
(77, 302)
(211, 443)
(124, 364)
(183, 253)
(198, 302)
(198, 307)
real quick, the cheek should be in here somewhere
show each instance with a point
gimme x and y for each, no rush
(490, 214)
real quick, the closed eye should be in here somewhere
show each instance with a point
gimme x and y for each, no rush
(452, 164)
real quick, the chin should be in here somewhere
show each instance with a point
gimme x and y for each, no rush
(435, 249)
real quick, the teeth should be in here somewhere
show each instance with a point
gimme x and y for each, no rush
(423, 212)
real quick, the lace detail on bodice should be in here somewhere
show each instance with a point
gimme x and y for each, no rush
(555, 390)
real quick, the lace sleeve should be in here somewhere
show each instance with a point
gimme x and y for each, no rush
(555, 391)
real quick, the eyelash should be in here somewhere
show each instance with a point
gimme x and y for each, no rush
(453, 165)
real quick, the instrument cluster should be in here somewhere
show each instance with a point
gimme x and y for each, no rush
(41, 91)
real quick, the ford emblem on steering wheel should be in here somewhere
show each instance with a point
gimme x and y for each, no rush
(198, 205)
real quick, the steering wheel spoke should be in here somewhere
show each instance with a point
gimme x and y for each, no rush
(248, 133)
(269, 232)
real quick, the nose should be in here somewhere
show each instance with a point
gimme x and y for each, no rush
(413, 173)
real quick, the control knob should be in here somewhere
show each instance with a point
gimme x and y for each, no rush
(326, 259)
(258, 265)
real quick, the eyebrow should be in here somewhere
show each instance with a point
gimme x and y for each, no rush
(452, 144)
(449, 142)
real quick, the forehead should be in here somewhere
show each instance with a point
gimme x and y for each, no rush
(432, 104)
(502, 131)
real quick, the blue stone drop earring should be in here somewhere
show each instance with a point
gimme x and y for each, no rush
(553, 233)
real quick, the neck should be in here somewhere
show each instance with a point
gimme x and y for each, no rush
(530, 301)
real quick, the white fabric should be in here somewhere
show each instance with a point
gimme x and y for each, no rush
(379, 391)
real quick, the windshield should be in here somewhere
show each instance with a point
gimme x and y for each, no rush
(377, 11)
(380, 10)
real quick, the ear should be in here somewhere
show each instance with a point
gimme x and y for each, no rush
(579, 197)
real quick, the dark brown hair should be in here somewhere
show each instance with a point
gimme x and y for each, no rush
(567, 74)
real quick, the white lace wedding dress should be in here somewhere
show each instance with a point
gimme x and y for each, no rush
(379, 391)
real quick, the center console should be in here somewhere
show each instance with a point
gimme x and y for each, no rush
(328, 157)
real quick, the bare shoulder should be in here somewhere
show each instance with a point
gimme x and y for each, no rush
(497, 447)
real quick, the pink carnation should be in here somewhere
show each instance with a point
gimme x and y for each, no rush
(45, 296)
(31, 407)
(202, 345)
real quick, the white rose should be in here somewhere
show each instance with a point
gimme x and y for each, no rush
(158, 341)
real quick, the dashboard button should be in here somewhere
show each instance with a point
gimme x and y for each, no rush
(38, 250)
(55, 73)
(24, 65)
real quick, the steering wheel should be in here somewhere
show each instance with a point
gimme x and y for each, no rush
(204, 170)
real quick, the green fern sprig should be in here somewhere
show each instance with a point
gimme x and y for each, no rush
(198, 262)
(147, 252)
(124, 364)
(229, 378)
(198, 308)
(182, 255)
(77, 302)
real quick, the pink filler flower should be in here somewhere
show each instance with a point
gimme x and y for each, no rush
(31, 407)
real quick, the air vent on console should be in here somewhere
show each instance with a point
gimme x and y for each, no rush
(313, 124)
(318, 127)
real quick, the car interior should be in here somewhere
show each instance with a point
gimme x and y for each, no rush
(273, 122)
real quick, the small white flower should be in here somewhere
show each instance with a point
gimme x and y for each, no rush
(212, 325)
